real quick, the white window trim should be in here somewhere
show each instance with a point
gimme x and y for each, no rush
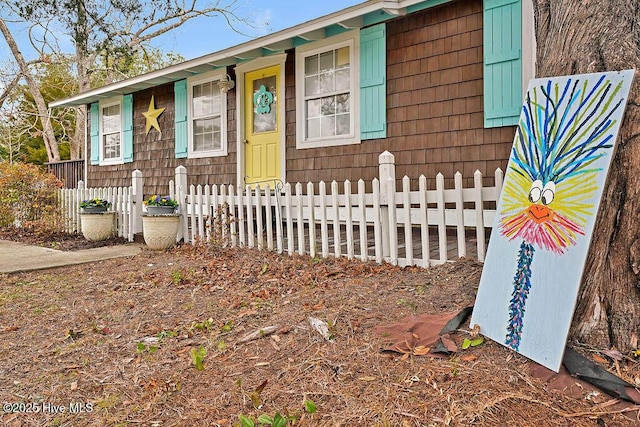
(194, 81)
(351, 39)
(101, 106)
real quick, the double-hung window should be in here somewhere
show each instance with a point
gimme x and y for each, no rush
(111, 132)
(207, 117)
(327, 92)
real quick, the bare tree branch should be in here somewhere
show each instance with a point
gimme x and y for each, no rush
(50, 142)
(9, 88)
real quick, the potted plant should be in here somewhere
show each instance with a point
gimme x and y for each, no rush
(95, 205)
(160, 205)
(160, 223)
(96, 223)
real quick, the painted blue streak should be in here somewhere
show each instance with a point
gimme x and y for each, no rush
(582, 104)
(525, 166)
(529, 128)
(546, 116)
(595, 135)
(547, 166)
(522, 145)
(579, 169)
(569, 169)
(563, 126)
(540, 142)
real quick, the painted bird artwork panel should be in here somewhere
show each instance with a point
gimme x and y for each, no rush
(545, 217)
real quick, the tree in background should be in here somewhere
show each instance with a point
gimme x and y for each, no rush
(21, 127)
(109, 38)
(576, 37)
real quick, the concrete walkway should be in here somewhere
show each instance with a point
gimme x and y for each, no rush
(16, 257)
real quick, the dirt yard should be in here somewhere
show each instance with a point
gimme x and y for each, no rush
(157, 340)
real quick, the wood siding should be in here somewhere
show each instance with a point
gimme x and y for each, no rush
(154, 154)
(434, 106)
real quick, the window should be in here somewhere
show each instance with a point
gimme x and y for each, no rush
(111, 132)
(327, 90)
(207, 117)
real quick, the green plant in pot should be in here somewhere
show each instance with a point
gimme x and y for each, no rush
(160, 205)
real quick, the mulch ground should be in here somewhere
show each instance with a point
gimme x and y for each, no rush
(157, 340)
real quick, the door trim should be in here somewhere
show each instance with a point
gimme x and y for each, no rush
(241, 70)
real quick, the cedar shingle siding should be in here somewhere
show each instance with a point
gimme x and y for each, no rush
(154, 155)
(434, 115)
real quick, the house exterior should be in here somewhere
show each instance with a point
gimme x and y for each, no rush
(439, 83)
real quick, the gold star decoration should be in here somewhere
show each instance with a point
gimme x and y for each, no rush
(152, 115)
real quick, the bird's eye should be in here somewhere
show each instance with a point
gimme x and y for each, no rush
(548, 193)
(536, 191)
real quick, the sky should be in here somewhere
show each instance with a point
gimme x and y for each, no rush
(201, 36)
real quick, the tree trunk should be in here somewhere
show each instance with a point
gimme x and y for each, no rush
(76, 140)
(50, 142)
(584, 36)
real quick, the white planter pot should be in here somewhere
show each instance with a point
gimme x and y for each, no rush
(160, 232)
(97, 226)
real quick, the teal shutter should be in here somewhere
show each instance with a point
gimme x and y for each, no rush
(502, 62)
(181, 129)
(94, 118)
(127, 128)
(373, 82)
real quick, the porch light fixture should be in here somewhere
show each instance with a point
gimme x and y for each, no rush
(226, 84)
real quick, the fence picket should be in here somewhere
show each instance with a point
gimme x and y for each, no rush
(278, 211)
(408, 230)
(184, 222)
(268, 217)
(207, 212)
(312, 220)
(224, 215)
(348, 218)
(460, 231)
(324, 233)
(424, 222)
(199, 207)
(242, 238)
(300, 219)
(377, 225)
(362, 226)
(393, 231)
(479, 205)
(288, 213)
(250, 228)
(335, 205)
(259, 220)
(232, 217)
(442, 228)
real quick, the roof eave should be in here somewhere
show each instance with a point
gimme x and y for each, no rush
(350, 17)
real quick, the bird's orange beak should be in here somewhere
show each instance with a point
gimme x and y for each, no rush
(539, 213)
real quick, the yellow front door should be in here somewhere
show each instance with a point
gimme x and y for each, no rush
(263, 126)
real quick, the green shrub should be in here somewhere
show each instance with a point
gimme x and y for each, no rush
(29, 197)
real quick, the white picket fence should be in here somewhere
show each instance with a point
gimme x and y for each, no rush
(419, 227)
(406, 227)
(120, 197)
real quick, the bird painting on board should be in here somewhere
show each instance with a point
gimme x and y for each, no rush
(565, 128)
